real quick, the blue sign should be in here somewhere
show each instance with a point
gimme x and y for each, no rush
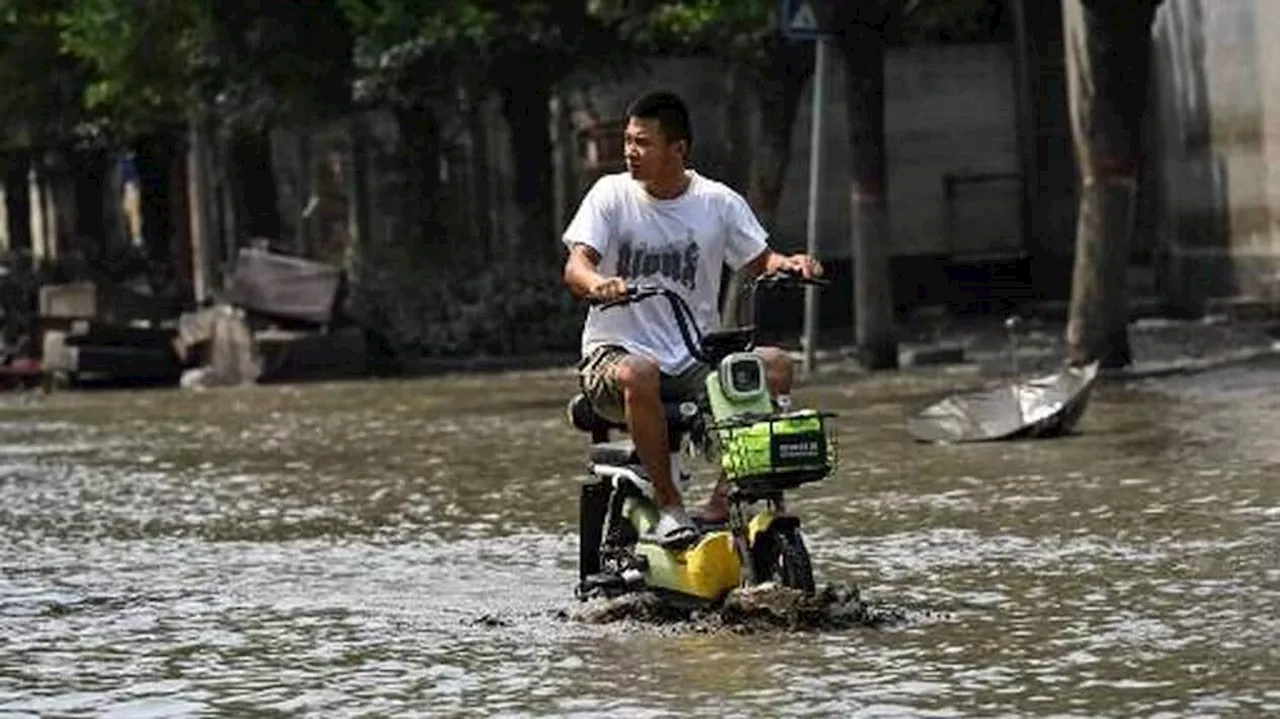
(803, 20)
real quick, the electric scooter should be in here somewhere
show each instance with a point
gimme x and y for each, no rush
(763, 451)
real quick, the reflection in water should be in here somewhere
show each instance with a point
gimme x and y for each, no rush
(408, 547)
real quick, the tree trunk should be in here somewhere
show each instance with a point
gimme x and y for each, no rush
(485, 226)
(864, 55)
(1108, 49)
(204, 278)
(303, 233)
(46, 198)
(181, 246)
(91, 175)
(153, 165)
(778, 87)
(17, 200)
(420, 188)
(358, 200)
(526, 106)
(228, 182)
(258, 198)
(738, 129)
(778, 100)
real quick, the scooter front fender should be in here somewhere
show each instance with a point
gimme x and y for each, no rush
(767, 519)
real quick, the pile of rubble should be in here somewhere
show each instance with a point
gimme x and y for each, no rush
(277, 318)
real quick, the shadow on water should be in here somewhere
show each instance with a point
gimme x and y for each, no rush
(409, 548)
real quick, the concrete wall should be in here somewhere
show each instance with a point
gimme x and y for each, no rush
(1216, 137)
(949, 111)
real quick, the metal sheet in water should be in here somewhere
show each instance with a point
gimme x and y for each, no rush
(1041, 406)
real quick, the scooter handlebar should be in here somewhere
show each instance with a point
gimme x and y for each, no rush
(788, 277)
(779, 278)
(689, 330)
(634, 293)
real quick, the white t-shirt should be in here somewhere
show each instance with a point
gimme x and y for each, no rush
(681, 243)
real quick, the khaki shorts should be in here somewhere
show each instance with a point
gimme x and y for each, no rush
(599, 380)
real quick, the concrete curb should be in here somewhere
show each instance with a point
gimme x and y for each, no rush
(843, 366)
(1156, 370)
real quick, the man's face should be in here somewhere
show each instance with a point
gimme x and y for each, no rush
(648, 153)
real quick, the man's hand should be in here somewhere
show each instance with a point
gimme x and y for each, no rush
(805, 265)
(607, 289)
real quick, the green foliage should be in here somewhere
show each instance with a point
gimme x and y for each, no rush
(744, 29)
(41, 88)
(266, 62)
(505, 308)
(135, 65)
(143, 54)
(436, 25)
(246, 63)
(417, 52)
(730, 28)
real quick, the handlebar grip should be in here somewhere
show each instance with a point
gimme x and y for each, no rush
(778, 277)
(631, 295)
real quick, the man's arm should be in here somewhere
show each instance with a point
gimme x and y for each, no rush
(587, 236)
(582, 275)
(580, 272)
(769, 261)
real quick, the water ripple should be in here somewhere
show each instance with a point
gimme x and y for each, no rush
(408, 548)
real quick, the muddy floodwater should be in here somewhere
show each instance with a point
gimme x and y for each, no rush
(408, 548)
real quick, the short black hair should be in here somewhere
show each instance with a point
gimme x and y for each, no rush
(668, 109)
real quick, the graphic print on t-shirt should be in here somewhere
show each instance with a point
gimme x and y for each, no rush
(678, 263)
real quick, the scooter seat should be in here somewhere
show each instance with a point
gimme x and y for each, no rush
(618, 453)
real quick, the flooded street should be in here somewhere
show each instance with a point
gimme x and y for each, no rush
(408, 548)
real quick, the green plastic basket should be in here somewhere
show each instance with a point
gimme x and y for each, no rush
(788, 447)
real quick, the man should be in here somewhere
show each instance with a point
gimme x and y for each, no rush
(663, 223)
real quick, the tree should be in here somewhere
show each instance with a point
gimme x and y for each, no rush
(1108, 65)
(866, 30)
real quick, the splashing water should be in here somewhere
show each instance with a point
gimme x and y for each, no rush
(764, 607)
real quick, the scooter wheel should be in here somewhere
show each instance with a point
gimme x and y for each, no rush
(781, 556)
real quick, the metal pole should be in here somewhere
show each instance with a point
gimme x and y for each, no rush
(811, 230)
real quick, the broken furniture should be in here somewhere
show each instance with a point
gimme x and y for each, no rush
(278, 319)
(91, 334)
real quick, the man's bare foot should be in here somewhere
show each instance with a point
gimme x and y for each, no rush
(714, 512)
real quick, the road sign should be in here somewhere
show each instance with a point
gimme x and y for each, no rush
(804, 20)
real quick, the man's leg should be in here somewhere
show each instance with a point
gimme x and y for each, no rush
(641, 383)
(779, 376)
(626, 388)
